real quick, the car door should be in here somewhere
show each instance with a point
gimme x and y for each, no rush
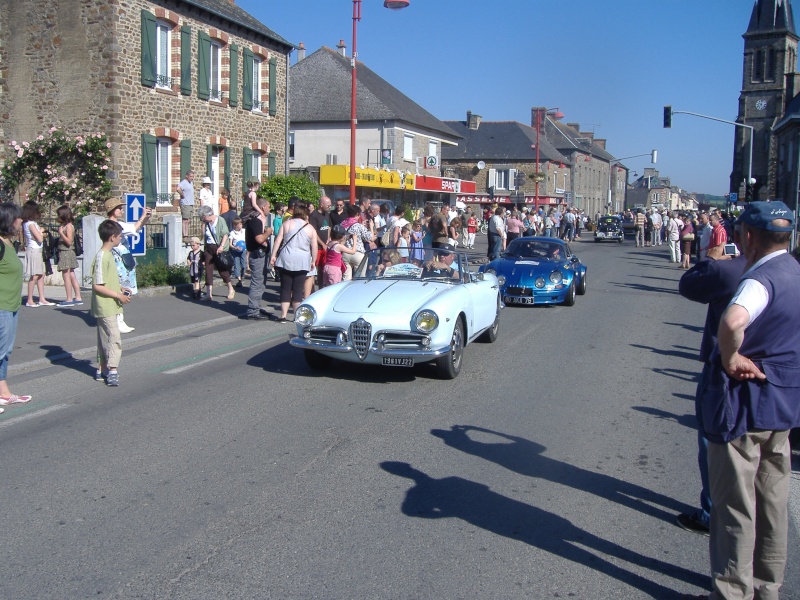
(482, 294)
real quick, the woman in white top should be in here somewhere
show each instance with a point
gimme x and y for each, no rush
(34, 262)
(207, 196)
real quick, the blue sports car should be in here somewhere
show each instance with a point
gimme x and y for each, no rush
(538, 270)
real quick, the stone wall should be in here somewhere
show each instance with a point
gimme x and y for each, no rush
(76, 65)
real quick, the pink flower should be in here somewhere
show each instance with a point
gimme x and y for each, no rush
(26, 144)
(19, 154)
(40, 138)
(13, 142)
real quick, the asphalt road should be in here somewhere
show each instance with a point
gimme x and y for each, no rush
(222, 467)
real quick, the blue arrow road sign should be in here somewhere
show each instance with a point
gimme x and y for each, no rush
(134, 208)
(734, 198)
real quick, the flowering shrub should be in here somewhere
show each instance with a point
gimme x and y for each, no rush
(61, 169)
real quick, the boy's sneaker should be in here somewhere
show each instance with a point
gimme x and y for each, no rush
(99, 375)
(113, 379)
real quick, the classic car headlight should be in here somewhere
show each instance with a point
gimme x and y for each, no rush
(501, 279)
(539, 283)
(305, 315)
(556, 277)
(426, 321)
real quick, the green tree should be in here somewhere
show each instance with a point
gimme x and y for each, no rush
(280, 188)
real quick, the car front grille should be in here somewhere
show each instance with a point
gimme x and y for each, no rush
(361, 336)
(514, 290)
(323, 336)
(401, 341)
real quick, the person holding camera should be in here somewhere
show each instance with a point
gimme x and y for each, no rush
(257, 235)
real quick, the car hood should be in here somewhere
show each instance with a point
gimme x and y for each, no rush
(387, 296)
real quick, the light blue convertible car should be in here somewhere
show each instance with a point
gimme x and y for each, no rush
(538, 270)
(400, 312)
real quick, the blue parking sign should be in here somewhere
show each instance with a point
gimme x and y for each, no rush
(734, 198)
(134, 208)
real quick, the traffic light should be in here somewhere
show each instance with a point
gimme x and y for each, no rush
(667, 117)
(519, 179)
(491, 193)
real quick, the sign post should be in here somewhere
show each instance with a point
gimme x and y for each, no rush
(134, 208)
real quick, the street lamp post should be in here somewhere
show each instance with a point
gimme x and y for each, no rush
(541, 113)
(393, 5)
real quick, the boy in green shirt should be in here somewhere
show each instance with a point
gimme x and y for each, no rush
(107, 300)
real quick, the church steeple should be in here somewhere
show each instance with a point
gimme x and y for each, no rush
(771, 15)
(769, 82)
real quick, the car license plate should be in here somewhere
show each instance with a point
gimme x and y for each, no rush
(391, 361)
(513, 300)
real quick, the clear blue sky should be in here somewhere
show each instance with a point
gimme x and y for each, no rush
(609, 65)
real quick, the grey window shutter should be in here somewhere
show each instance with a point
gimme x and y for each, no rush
(203, 68)
(271, 161)
(273, 93)
(148, 49)
(247, 168)
(186, 60)
(247, 79)
(227, 167)
(233, 94)
(149, 168)
(186, 157)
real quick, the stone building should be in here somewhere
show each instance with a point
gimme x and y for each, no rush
(398, 142)
(598, 180)
(769, 82)
(651, 190)
(500, 157)
(173, 83)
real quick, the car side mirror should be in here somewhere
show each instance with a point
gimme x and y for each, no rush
(574, 258)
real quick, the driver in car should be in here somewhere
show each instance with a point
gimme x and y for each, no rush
(442, 264)
(554, 252)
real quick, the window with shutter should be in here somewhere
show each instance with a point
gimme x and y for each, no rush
(203, 66)
(163, 47)
(512, 184)
(163, 168)
(149, 167)
(246, 167)
(149, 49)
(247, 78)
(273, 92)
(233, 94)
(491, 178)
(186, 157)
(271, 161)
(258, 105)
(186, 60)
(227, 168)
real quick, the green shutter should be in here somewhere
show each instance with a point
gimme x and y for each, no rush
(247, 171)
(148, 49)
(186, 157)
(186, 60)
(271, 162)
(209, 154)
(203, 69)
(273, 82)
(247, 78)
(149, 168)
(227, 162)
(233, 94)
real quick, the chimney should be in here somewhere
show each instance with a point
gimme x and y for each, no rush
(575, 126)
(342, 48)
(587, 134)
(301, 52)
(473, 121)
(601, 143)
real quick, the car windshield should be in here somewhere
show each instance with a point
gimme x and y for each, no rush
(523, 248)
(420, 263)
(608, 221)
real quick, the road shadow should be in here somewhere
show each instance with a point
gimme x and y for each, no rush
(694, 328)
(645, 288)
(84, 314)
(58, 355)
(284, 359)
(477, 504)
(527, 458)
(684, 396)
(692, 376)
(686, 420)
(663, 352)
(235, 307)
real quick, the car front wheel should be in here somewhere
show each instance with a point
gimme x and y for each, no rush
(569, 299)
(582, 286)
(449, 365)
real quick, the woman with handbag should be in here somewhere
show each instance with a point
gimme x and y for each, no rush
(34, 257)
(293, 254)
(67, 258)
(216, 250)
